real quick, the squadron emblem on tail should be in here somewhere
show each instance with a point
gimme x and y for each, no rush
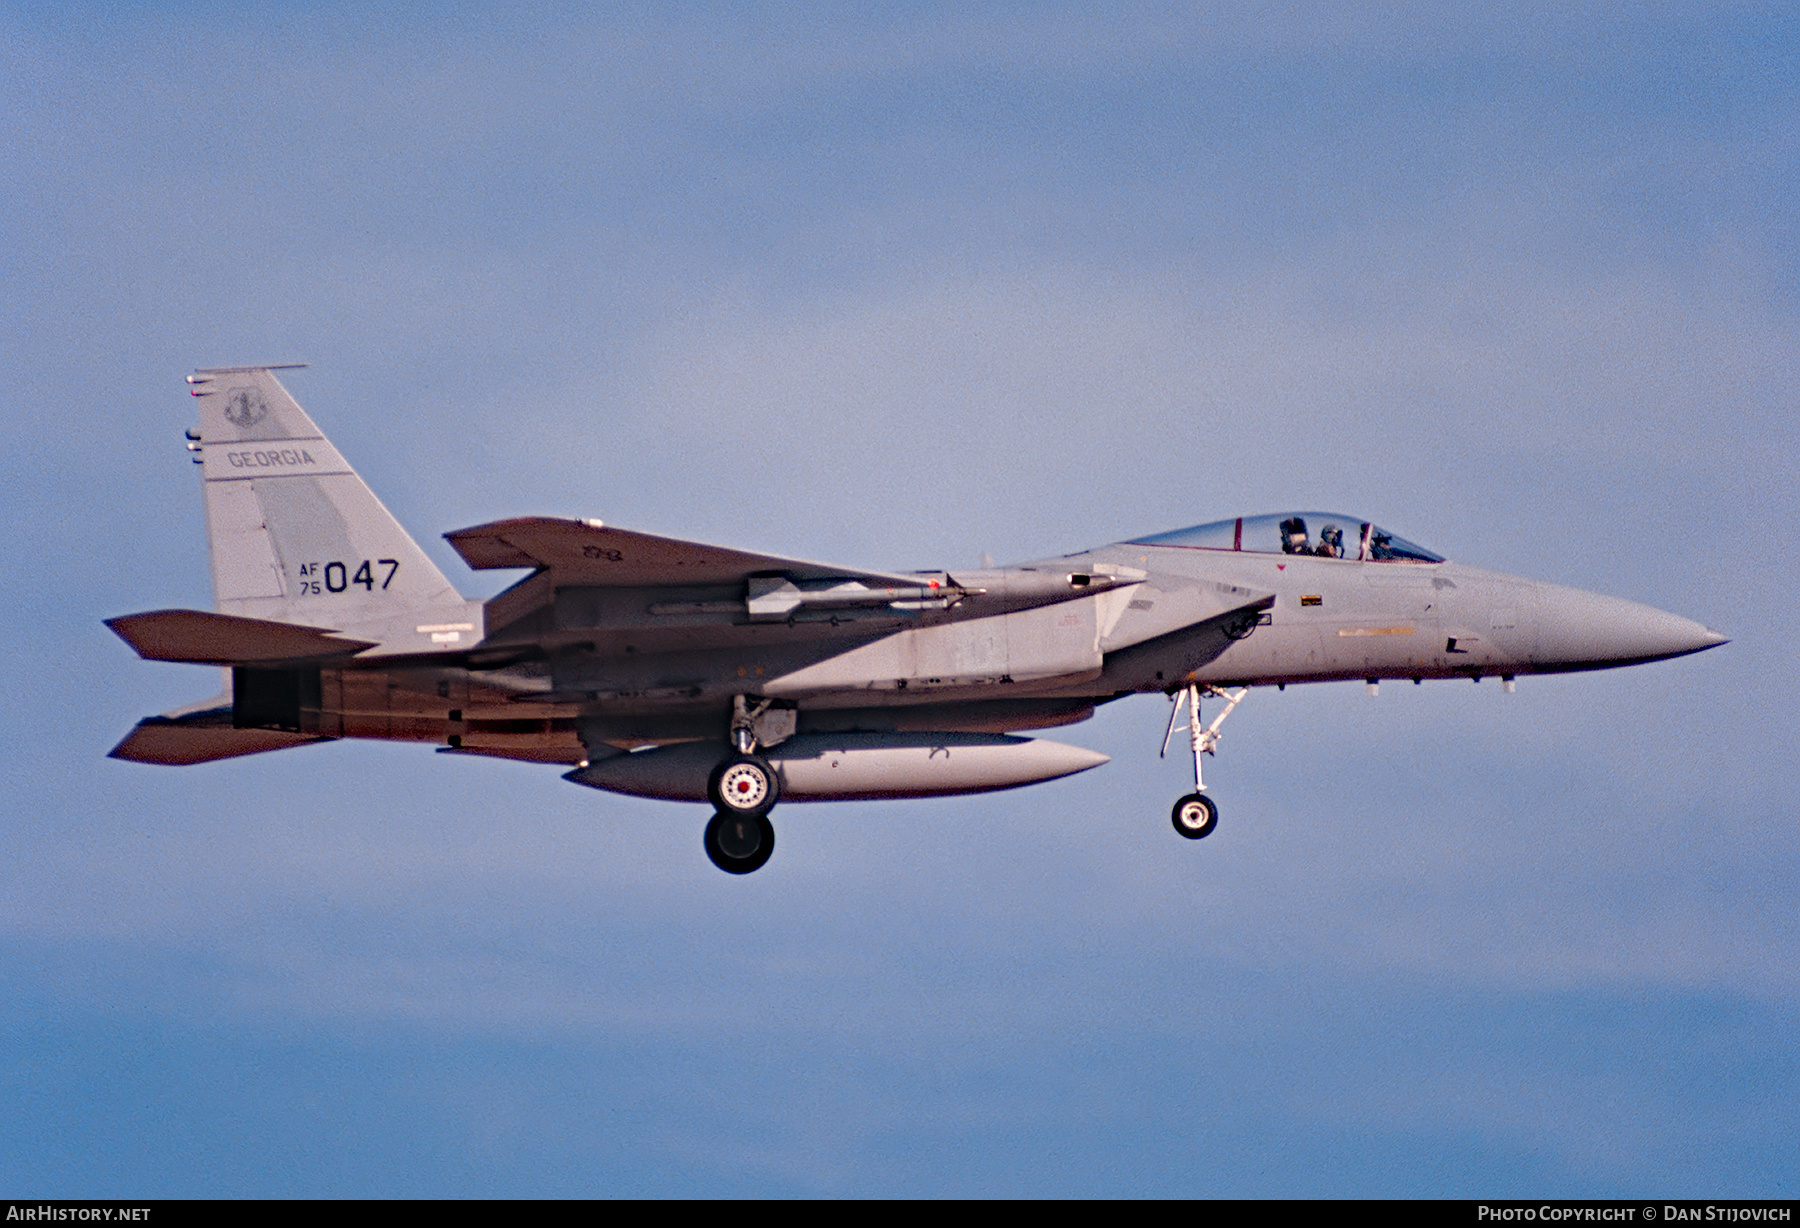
(244, 407)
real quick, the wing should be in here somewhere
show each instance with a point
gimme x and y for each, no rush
(586, 552)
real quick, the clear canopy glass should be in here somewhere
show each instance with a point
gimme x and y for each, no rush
(1320, 534)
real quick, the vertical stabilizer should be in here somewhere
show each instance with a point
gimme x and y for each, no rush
(296, 535)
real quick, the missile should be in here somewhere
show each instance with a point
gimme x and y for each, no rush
(851, 766)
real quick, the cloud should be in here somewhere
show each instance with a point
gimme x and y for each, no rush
(1069, 395)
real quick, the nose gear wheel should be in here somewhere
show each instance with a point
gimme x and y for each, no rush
(1195, 816)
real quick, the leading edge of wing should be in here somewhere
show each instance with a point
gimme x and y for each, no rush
(589, 552)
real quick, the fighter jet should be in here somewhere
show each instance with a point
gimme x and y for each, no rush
(672, 669)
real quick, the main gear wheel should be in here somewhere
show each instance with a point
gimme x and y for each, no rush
(744, 785)
(738, 843)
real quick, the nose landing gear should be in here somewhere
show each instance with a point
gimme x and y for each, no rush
(1195, 815)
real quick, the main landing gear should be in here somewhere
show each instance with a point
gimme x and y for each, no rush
(1195, 815)
(743, 789)
(743, 785)
(740, 844)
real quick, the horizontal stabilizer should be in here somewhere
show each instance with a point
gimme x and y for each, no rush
(584, 552)
(201, 736)
(200, 638)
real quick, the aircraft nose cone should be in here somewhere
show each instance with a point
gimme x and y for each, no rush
(1578, 628)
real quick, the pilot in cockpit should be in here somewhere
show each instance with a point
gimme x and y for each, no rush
(1293, 536)
(1331, 542)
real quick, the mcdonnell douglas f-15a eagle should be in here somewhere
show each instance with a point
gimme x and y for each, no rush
(672, 669)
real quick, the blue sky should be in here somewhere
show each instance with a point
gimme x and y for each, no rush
(896, 287)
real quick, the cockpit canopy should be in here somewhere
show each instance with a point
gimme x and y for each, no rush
(1320, 534)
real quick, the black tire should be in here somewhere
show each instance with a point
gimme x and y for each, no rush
(738, 843)
(1195, 816)
(743, 785)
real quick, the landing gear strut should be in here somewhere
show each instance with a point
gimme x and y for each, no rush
(743, 789)
(1195, 815)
